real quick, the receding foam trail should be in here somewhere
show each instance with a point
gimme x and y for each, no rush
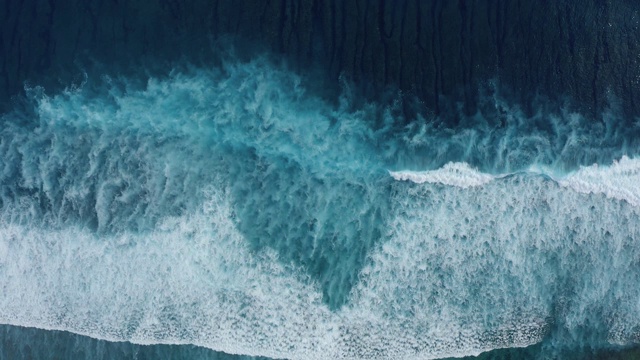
(230, 208)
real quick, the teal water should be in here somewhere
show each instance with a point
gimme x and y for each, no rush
(30, 343)
(234, 209)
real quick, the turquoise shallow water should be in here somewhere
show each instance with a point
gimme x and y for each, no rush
(234, 209)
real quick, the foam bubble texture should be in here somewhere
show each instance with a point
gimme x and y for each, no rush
(452, 174)
(229, 208)
(621, 180)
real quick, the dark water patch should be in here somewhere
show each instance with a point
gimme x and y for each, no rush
(539, 352)
(20, 343)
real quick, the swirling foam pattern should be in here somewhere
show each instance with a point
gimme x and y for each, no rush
(231, 208)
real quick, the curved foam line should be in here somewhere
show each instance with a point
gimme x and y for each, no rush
(452, 174)
(620, 180)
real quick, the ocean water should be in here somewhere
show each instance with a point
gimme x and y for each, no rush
(233, 208)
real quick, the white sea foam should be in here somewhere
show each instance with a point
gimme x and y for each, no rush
(455, 249)
(620, 180)
(463, 272)
(190, 281)
(193, 280)
(4, 252)
(453, 174)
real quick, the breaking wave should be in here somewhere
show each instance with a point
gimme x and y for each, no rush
(233, 208)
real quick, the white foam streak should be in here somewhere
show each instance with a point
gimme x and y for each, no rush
(620, 180)
(452, 174)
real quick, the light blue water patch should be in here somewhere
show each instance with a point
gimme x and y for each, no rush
(233, 209)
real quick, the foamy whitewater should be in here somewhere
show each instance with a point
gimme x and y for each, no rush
(234, 209)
